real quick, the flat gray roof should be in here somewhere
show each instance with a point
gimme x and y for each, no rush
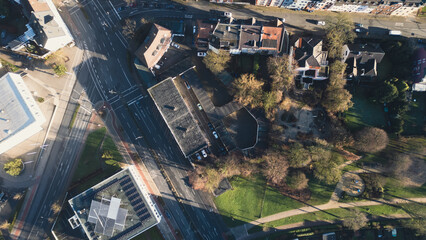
(20, 116)
(177, 116)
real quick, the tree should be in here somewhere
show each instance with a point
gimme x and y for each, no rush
(60, 69)
(399, 164)
(270, 103)
(107, 155)
(299, 156)
(297, 180)
(248, 90)
(386, 92)
(327, 171)
(14, 167)
(4, 225)
(371, 140)
(337, 99)
(339, 31)
(217, 62)
(356, 220)
(129, 28)
(397, 125)
(276, 167)
(281, 73)
(336, 77)
(56, 207)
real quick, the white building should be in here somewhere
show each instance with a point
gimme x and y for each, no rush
(271, 3)
(51, 31)
(20, 116)
(296, 4)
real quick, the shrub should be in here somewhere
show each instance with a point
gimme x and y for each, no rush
(371, 140)
(40, 99)
(297, 180)
(14, 167)
(60, 69)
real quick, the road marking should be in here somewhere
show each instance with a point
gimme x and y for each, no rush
(124, 44)
(114, 10)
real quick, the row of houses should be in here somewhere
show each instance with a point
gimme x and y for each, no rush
(249, 36)
(394, 7)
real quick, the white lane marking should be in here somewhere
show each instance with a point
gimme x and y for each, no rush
(114, 10)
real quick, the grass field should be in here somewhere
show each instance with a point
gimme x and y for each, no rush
(251, 199)
(414, 118)
(89, 162)
(364, 112)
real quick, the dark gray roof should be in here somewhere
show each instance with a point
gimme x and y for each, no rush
(304, 52)
(225, 35)
(366, 51)
(269, 43)
(364, 57)
(177, 117)
(250, 36)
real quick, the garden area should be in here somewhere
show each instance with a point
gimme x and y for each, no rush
(99, 160)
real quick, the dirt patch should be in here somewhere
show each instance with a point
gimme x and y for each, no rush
(297, 121)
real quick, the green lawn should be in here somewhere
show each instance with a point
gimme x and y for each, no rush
(244, 203)
(321, 192)
(414, 118)
(394, 189)
(339, 213)
(364, 112)
(89, 160)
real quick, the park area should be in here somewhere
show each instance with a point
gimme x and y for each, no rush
(251, 198)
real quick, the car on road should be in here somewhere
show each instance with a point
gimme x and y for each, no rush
(215, 134)
(227, 14)
(3, 34)
(194, 29)
(199, 106)
(168, 214)
(120, 8)
(203, 152)
(210, 126)
(198, 156)
(201, 54)
(322, 23)
(175, 45)
(187, 85)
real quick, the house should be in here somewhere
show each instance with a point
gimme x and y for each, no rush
(250, 37)
(225, 36)
(311, 59)
(419, 70)
(295, 4)
(20, 115)
(269, 3)
(154, 46)
(203, 31)
(50, 30)
(361, 60)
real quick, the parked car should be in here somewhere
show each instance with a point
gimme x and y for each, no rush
(201, 54)
(175, 45)
(215, 134)
(194, 29)
(204, 153)
(321, 23)
(187, 85)
(199, 107)
(1, 196)
(227, 14)
(198, 156)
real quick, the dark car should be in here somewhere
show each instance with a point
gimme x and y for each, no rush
(210, 126)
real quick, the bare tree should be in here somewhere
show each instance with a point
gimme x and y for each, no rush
(337, 99)
(356, 220)
(281, 73)
(129, 28)
(248, 90)
(276, 167)
(339, 31)
(371, 140)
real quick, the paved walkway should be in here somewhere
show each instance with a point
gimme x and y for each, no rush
(241, 231)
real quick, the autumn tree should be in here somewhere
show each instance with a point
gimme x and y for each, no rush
(356, 220)
(129, 28)
(371, 140)
(56, 207)
(248, 90)
(325, 163)
(297, 180)
(4, 225)
(336, 99)
(270, 102)
(276, 167)
(336, 77)
(14, 167)
(339, 31)
(281, 73)
(217, 62)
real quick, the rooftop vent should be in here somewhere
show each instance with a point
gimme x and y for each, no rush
(228, 28)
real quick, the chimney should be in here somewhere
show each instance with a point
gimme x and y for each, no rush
(253, 21)
(228, 28)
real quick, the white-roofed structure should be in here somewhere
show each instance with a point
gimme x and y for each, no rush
(20, 116)
(107, 215)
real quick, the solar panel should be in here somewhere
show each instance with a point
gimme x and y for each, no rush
(142, 212)
(128, 187)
